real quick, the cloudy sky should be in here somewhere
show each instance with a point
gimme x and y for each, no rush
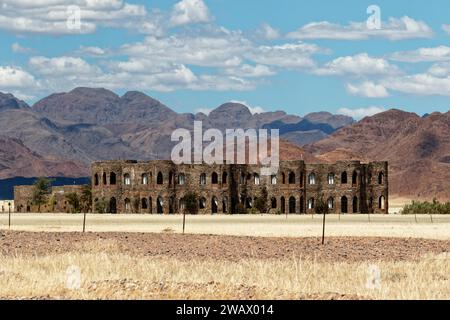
(298, 56)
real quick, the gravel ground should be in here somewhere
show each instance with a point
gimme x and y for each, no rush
(230, 248)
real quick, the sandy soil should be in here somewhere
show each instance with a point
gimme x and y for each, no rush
(230, 248)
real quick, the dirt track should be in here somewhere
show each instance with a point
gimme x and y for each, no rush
(231, 248)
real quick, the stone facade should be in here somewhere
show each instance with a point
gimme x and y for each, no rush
(159, 186)
(23, 196)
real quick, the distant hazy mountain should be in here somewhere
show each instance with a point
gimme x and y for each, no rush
(88, 124)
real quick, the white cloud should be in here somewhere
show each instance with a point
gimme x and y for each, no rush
(440, 70)
(446, 28)
(360, 64)
(368, 89)
(17, 48)
(61, 66)
(51, 16)
(250, 71)
(420, 84)
(15, 77)
(92, 51)
(394, 29)
(189, 11)
(440, 53)
(360, 112)
(223, 50)
(267, 32)
(288, 55)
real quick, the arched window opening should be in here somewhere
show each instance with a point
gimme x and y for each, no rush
(330, 203)
(331, 178)
(283, 178)
(202, 203)
(242, 178)
(292, 205)
(144, 179)
(311, 203)
(203, 179)
(96, 179)
(381, 178)
(312, 178)
(355, 204)
(127, 179)
(214, 205)
(214, 178)
(282, 205)
(159, 178)
(381, 203)
(273, 179)
(127, 205)
(112, 205)
(256, 179)
(344, 177)
(344, 205)
(144, 204)
(159, 205)
(104, 179)
(224, 178)
(291, 178)
(112, 178)
(354, 178)
(273, 203)
(181, 179)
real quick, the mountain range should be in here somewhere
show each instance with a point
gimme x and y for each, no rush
(63, 133)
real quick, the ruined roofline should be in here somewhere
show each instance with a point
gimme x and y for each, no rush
(129, 161)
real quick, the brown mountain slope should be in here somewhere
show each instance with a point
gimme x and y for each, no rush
(418, 150)
(17, 160)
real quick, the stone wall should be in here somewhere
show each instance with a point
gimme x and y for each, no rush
(159, 186)
(23, 198)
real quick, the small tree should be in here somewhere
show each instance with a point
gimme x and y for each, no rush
(74, 202)
(86, 198)
(321, 206)
(261, 201)
(101, 206)
(42, 188)
(191, 203)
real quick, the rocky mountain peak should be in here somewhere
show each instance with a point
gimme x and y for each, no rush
(9, 101)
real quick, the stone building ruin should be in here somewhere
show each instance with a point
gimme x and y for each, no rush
(159, 186)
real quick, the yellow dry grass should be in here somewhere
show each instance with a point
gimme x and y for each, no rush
(107, 273)
(242, 225)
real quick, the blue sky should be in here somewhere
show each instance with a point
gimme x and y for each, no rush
(193, 55)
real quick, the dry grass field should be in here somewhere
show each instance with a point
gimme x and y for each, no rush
(435, 227)
(224, 257)
(170, 266)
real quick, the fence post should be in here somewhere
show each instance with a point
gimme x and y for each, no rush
(184, 220)
(323, 229)
(84, 222)
(431, 217)
(9, 215)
